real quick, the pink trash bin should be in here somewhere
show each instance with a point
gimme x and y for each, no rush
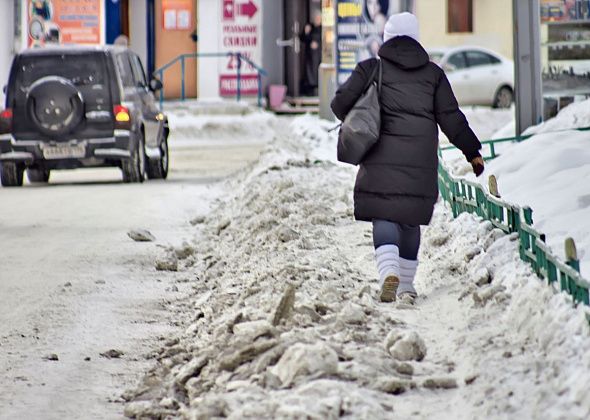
(276, 95)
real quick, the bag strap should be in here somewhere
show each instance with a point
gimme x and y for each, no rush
(380, 76)
(371, 79)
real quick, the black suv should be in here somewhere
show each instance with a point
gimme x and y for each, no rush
(74, 107)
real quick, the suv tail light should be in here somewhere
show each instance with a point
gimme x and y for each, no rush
(122, 117)
(6, 121)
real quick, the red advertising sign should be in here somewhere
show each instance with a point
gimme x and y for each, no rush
(228, 85)
(240, 33)
(64, 22)
(177, 14)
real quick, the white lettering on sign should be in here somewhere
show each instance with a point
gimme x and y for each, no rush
(240, 41)
(240, 32)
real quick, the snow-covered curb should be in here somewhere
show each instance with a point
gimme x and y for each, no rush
(284, 322)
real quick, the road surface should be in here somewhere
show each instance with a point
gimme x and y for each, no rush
(73, 285)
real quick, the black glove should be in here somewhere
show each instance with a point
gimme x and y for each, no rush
(478, 165)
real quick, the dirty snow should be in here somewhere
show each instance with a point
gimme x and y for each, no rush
(284, 321)
(81, 303)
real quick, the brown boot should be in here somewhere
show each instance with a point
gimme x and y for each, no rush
(388, 290)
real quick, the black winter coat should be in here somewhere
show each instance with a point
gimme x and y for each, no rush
(397, 180)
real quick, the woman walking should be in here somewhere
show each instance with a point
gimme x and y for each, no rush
(396, 186)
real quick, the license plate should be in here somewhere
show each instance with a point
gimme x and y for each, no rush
(64, 151)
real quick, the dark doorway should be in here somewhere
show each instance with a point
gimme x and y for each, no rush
(124, 17)
(295, 18)
(298, 13)
(117, 20)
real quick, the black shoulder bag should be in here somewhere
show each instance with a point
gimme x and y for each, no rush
(361, 128)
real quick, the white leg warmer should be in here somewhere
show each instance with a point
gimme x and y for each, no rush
(387, 257)
(407, 270)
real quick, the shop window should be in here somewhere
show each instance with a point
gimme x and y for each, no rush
(460, 15)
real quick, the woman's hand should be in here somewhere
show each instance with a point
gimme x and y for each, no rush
(478, 165)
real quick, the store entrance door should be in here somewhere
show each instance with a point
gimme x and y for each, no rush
(117, 20)
(298, 13)
(295, 18)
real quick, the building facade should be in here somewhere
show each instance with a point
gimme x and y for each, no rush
(160, 31)
(485, 23)
(11, 38)
(157, 30)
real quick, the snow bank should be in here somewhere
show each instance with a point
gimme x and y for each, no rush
(219, 121)
(486, 122)
(547, 173)
(284, 321)
(575, 115)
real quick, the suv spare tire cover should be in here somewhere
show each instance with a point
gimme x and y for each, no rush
(54, 105)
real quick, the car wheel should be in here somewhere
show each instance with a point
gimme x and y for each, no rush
(134, 167)
(504, 98)
(158, 169)
(38, 175)
(11, 174)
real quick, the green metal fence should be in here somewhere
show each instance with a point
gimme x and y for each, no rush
(471, 197)
(241, 60)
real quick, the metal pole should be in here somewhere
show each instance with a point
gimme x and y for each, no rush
(328, 71)
(183, 77)
(162, 91)
(259, 89)
(527, 64)
(239, 95)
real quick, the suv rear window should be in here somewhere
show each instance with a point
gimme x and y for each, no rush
(80, 69)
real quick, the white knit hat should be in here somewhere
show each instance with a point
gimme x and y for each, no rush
(401, 24)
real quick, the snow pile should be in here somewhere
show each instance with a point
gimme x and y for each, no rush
(486, 122)
(545, 173)
(497, 124)
(220, 122)
(575, 115)
(280, 315)
(284, 321)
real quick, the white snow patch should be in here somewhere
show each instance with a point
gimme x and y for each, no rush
(486, 122)
(575, 115)
(225, 122)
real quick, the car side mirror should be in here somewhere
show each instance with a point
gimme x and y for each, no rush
(155, 85)
(4, 88)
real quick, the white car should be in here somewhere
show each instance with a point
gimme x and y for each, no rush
(478, 76)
